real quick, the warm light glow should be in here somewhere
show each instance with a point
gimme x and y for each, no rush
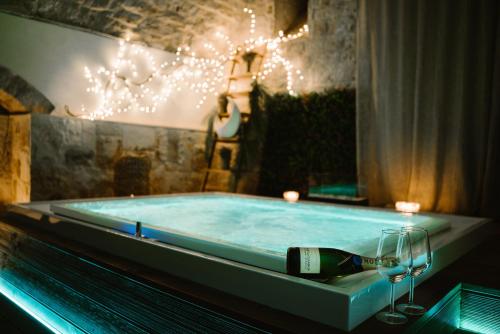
(408, 207)
(136, 82)
(291, 196)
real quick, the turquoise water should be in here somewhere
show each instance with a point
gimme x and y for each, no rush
(335, 189)
(264, 224)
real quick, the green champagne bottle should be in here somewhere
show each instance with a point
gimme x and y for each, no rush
(323, 263)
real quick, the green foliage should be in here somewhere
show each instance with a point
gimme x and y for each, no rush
(309, 139)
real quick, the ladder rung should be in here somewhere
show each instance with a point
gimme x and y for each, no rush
(240, 93)
(219, 170)
(223, 114)
(242, 76)
(243, 114)
(233, 140)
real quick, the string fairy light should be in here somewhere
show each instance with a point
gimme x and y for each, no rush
(136, 82)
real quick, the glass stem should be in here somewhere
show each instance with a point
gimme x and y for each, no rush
(412, 287)
(392, 298)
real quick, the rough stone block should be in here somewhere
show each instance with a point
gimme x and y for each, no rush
(63, 155)
(136, 137)
(15, 132)
(196, 180)
(161, 140)
(173, 146)
(108, 148)
(198, 159)
(104, 128)
(76, 155)
(88, 133)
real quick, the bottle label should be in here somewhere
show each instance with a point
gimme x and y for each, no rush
(309, 261)
(368, 263)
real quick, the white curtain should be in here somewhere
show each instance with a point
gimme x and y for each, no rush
(428, 87)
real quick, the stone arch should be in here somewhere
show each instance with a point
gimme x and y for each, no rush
(18, 96)
(17, 100)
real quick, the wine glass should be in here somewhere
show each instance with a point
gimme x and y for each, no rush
(422, 260)
(394, 262)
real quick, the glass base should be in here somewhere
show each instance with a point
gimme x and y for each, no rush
(411, 309)
(392, 318)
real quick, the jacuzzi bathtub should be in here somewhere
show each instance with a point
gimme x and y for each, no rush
(251, 230)
(237, 244)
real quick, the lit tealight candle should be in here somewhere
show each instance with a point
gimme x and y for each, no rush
(408, 207)
(291, 196)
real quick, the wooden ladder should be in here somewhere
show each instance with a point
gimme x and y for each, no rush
(242, 98)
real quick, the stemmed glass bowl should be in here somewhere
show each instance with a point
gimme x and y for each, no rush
(422, 260)
(394, 260)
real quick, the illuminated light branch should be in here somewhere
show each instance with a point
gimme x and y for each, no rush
(132, 86)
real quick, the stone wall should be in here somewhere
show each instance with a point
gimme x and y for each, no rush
(331, 49)
(75, 158)
(328, 55)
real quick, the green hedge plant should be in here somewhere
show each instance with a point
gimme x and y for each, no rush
(307, 140)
